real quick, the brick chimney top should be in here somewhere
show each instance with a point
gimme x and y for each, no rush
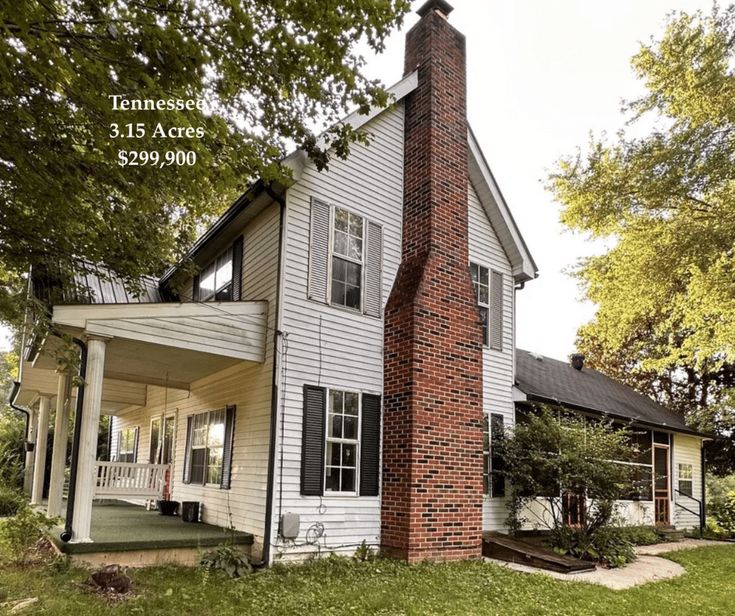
(577, 360)
(440, 6)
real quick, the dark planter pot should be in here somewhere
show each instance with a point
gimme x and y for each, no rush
(190, 511)
(168, 507)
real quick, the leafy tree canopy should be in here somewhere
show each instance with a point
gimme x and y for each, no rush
(665, 291)
(272, 72)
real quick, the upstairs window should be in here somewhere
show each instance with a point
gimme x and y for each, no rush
(215, 282)
(347, 259)
(221, 279)
(488, 285)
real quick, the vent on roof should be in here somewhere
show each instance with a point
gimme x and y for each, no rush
(536, 356)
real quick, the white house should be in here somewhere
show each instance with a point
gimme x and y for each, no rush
(329, 375)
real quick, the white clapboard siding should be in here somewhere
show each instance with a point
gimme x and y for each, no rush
(245, 385)
(330, 346)
(486, 250)
(687, 450)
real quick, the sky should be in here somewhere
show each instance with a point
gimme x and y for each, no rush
(542, 75)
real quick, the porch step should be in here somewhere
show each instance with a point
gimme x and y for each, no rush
(502, 547)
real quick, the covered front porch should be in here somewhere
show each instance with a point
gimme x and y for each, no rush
(127, 351)
(129, 534)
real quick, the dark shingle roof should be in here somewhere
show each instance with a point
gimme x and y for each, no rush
(556, 381)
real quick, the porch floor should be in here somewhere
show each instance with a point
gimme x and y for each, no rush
(118, 526)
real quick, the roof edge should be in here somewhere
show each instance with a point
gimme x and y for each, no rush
(524, 268)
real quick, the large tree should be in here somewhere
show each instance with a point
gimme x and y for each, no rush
(273, 74)
(665, 291)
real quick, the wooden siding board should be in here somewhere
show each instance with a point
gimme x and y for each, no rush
(369, 183)
(498, 377)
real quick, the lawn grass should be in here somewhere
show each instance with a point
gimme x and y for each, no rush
(338, 586)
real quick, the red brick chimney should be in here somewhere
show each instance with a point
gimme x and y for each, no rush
(432, 434)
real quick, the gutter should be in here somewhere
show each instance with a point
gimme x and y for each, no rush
(221, 223)
(68, 532)
(11, 401)
(270, 484)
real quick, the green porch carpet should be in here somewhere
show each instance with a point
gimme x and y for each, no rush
(120, 526)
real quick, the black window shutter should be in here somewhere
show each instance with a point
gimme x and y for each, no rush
(195, 289)
(227, 451)
(312, 441)
(187, 451)
(370, 446)
(237, 247)
(319, 241)
(135, 444)
(497, 433)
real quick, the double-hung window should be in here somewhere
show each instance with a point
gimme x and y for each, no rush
(488, 285)
(215, 281)
(126, 444)
(207, 447)
(686, 479)
(342, 443)
(347, 258)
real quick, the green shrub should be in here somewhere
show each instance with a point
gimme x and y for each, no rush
(722, 511)
(18, 534)
(639, 535)
(364, 553)
(11, 500)
(227, 558)
(607, 545)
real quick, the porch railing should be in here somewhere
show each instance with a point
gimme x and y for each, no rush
(117, 479)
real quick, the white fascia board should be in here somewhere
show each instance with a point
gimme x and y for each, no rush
(297, 159)
(524, 267)
(78, 315)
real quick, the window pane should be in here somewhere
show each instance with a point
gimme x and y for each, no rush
(339, 291)
(333, 454)
(335, 427)
(341, 218)
(338, 269)
(224, 269)
(356, 225)
(484, 276)
(473, 271)
(352, 297)
(216, 436)
(154, 454)
(348, 455)
(214, 463)
(355, 245)
(198, 465)
(483, 296)
(336, 398)
(332, 480)
(206, 282)
(340, 243)
(225, 294)
(484, 318)
(353, 273)
(348, 480)
(350, 427)
(351, 401)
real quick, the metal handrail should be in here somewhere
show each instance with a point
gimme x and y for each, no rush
(700, 515)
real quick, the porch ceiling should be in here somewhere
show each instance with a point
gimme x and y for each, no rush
(165, 344)
(116, 394)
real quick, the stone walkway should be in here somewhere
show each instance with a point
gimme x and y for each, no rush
(647, 568)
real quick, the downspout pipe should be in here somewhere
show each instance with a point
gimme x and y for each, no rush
(270, 487)
(11, 401)
(68, 532)
(703, 502)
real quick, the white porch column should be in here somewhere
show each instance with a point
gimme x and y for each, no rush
(58, 456)
(39, 463)
(30, 455)
(86, 479)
